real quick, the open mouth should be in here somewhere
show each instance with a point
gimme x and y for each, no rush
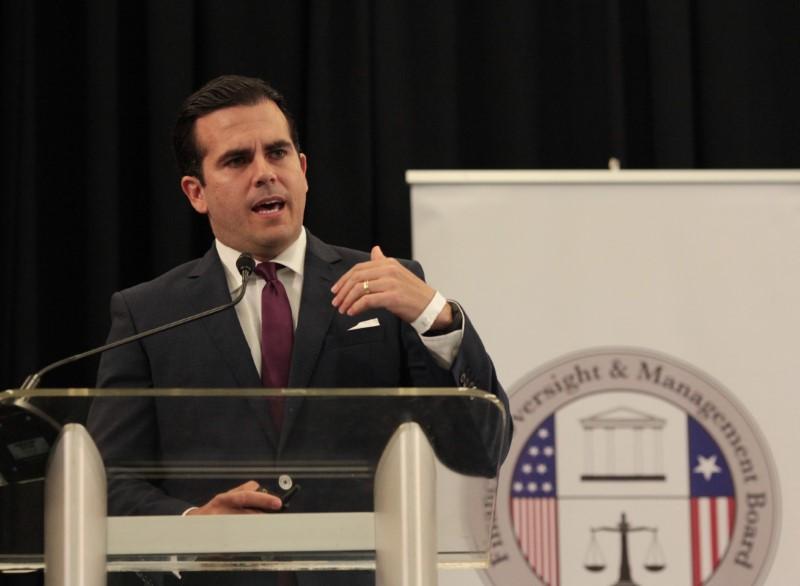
(269, 206)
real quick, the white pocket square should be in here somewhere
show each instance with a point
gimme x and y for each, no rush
(367, 323)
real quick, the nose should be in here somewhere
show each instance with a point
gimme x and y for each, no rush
(263, 171)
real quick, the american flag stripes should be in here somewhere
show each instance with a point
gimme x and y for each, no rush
(712, 503)
(534, 506)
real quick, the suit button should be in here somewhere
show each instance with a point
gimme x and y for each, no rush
(285, 481)
(465, 380)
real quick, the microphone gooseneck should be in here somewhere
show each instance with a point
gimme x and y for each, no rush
(244, 264)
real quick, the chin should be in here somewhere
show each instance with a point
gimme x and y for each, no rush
(272, 247)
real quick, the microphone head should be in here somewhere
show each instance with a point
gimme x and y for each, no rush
(245, 264)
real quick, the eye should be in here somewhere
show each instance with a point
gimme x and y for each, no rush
(236, 161)
(278, 153)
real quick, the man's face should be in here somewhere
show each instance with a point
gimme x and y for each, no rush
(255, 180)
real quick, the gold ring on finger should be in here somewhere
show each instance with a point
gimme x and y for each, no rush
(365, 286)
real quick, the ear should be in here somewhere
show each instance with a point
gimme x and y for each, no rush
(303, 162)
(195, 192)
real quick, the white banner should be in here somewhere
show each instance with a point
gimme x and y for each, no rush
(697, 274)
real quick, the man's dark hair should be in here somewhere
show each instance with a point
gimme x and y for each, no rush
(225, 91)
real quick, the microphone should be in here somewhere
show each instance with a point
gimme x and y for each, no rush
(244, 264)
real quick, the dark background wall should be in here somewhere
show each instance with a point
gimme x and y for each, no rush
(90, 198)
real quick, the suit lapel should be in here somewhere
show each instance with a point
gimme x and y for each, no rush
(316, 311)
(208, 287)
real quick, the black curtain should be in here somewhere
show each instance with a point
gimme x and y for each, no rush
(90, 197)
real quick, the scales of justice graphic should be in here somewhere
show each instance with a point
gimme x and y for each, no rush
(595, 561)
(629, 434)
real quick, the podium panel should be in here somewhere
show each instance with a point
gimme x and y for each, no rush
(328, 453)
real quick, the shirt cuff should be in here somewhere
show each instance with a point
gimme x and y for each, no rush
(425, 320)
(444, 347)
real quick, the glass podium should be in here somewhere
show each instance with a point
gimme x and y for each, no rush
(395, 481)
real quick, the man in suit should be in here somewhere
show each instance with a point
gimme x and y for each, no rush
(357, 320)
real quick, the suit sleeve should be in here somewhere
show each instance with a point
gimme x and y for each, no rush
(471, 368)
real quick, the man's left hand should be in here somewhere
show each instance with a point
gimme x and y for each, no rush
(384, 283)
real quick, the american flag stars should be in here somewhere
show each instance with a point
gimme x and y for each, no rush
(535, 471)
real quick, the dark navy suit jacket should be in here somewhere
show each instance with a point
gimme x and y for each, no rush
(213, 353)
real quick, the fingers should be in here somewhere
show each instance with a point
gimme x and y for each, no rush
(381, 282)
(249, 485)
(363, 271)
(250, 501)
(246, 498)
(360, 287)
(376, 253)
(365, 302)
(366, 278)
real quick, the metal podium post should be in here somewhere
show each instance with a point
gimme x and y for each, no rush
(75, 512)
(405, 511)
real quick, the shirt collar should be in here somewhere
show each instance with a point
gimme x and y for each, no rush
(292, 258)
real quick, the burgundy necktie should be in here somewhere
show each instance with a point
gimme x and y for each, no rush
(277, 337)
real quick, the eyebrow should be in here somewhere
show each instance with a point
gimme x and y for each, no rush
(247, 151)
(242, 152)
(278, 144)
